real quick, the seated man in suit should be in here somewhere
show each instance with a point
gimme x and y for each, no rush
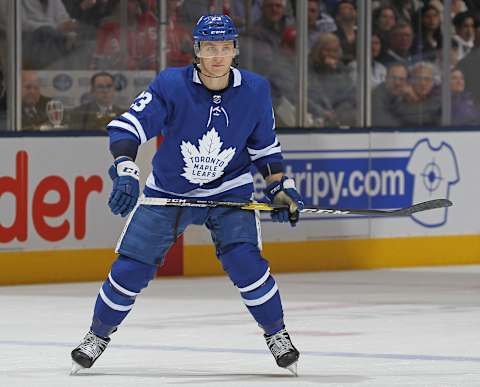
(34, 104)
(97, 113)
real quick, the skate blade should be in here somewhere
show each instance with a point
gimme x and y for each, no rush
(293, 368)
(75, 368)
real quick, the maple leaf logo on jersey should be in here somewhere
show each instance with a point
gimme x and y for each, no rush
(206, 163)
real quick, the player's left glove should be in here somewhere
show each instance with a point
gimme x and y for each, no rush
(284, 192)
(126, 188)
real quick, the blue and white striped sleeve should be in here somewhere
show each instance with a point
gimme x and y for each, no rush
(144, 119)
(263, 145)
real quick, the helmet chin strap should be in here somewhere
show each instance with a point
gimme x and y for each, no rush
(209, 76)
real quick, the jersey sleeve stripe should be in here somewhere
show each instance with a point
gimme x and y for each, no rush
(269, 150)
(130, 117)
(272, 151)
(124, 125)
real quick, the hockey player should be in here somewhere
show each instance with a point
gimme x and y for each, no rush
(216, 121)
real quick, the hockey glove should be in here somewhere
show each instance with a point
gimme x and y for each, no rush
(284, 192)
(126, 188)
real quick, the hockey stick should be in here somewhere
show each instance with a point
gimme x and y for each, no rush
(429, 205)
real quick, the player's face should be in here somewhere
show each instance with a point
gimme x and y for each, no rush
(216, 57)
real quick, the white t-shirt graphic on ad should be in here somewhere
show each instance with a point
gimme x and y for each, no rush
(435, 169)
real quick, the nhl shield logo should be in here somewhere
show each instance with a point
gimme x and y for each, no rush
(217, 99)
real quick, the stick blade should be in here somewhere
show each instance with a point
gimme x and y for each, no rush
(424, 206)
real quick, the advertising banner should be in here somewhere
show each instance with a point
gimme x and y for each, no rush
(54, 213)
(377, 171)
(53, 194)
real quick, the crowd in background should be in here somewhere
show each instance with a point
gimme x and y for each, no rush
(122, 35)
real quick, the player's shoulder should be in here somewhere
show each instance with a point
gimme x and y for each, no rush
(253, 80)
(172, 77)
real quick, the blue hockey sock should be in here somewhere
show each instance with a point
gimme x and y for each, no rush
(265, 305)
(117, 294)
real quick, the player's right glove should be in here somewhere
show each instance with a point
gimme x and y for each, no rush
(284, 192)
(126, 188)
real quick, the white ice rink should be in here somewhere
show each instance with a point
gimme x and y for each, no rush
(410, 327)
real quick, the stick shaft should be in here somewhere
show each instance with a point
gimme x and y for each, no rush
(425, 206)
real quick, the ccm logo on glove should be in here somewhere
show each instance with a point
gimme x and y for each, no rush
(126, 189)
(284, 192)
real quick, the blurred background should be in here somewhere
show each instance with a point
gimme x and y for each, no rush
(331, 63)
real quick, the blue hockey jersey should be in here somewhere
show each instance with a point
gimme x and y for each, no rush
(211, 138)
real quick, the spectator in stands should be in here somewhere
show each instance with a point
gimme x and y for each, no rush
(242, 20)
(141, 40)
(384, 18)
(469, 67)
(428, 41)
(318, 22)
(330, 5)
(96, 114)
(179, 37)
(400, 44)
(34, 104)
(346, 20)
(422, 103)
(282, 80)
(49, 33)
(477, 33)
(379, 71)
(91, 12)
(267, 33)
(464, 111)
(456, 7)
(473, 6)
(331, 90)
(404, 9)
(464, 37)
(192, 10)
(388, 94)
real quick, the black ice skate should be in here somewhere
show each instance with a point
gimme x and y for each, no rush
(88, 351)
(285, 354)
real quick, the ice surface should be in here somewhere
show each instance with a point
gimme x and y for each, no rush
(408, 327)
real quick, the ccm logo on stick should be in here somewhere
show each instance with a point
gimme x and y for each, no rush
(18, 186)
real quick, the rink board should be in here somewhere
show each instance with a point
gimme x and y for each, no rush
(55, 225)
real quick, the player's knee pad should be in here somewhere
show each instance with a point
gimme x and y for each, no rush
(125, 281)
(250, 273)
